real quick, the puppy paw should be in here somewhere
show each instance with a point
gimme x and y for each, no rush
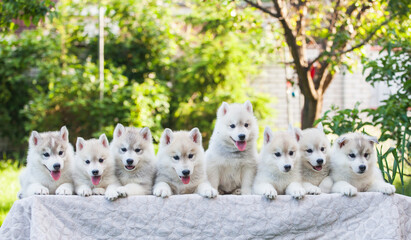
(85, 192)
(99, 191)
(349, 191)
(111, 195)
(297, 193)
(122, 191)
(41, 191)
(270, 193)
(386, 189)
(63, 190)
(162, 191)
(237, 191)
(208, 192)
(313, 190)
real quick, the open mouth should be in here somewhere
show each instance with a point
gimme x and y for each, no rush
(95, 180)
(241, 145)
(185, 179)
(318, 168)
(54, 174)
(129, 167)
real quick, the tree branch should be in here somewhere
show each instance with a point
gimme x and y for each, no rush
(276, 15)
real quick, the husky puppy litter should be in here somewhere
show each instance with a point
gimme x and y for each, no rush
(279, 166)
(94, 171)
(353, 166)
(314, 155)
(180, 168)
(133, 152)
(49, 161)
(231, 159)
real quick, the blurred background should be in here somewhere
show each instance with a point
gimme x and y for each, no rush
(167, 63)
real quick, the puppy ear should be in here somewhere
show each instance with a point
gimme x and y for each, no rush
(298, 133)
(195, 135)
(103, 140)
(320, 127)
(119, 130)
(34, 138)
(146, 133)
(268, 135)
(248, 106)
(292, 131)
(372, 140)
(341, 141)
(80, 144)
(64, 133)
(223, 109)
(166, 137)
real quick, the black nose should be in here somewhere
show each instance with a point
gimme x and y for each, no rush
(362, 168)
(320, 161)
(186, 172)
(287, 167)
(94, 172)
(241, 136)
(56, 166)
(130, 161)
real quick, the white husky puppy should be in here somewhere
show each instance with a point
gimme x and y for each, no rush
(133, 152)
(314, 155)
(279, 167)
(353, 166)
(180, 168)
(231, 158)
(49, 162)
(94, 171)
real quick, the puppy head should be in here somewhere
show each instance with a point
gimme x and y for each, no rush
(314, 147)
(131, 146)
(236, 125)
(52, 149)
(281, 149)
(357, 151)
(183, 150)
(94, 156)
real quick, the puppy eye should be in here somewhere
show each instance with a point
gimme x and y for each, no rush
(61, 153)
(46, 154)
(246, 125)
(137, 150)
(87, 161)
(124, 149)
(322, 149)
(278, 154)
(101, 160)
(309, 150)
(352, 155)
(232, 126)
(176, 157)
(366, 155)
(190, 155)
(291, 153)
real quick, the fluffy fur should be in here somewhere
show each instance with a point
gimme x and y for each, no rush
(180, 168)
(133, 152)
(314, 154)
(231, 159)
(353, 166)
(49, 162)
(279, 167)
(94, 171)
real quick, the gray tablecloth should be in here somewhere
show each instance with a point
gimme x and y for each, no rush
(328, 216)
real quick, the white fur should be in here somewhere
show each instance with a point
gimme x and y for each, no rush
(178, 152)
(345, 169)
(280, 149)
(36, 178)
(228, 169)
(93, 150)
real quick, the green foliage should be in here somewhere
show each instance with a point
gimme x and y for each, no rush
(9, 173)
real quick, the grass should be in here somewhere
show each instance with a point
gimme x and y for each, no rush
(9, 186)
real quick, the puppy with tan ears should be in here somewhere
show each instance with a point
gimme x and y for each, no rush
(314, 155)
(94, 171)
(353, 166)
(133, 152)
(279, 167)
(180, 165)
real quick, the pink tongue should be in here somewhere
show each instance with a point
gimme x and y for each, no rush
(55, 175)
(96, 180)
(241, 145)
(185, 180)
(318, 168)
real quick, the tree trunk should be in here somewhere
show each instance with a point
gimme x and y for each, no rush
(311, 110)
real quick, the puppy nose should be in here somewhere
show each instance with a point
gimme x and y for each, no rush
(56, 166)
(186, 172)
(130, 161)
(287, 167)
(241, 136)
(320, 161)
(362, 168)
(94, 172)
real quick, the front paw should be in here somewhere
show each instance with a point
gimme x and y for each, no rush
(99, 191)
(161, 191)
(349, 191)
(63, 190)
(208, 192)
(111, 195)
(313, 190)
(41, 191)
(84, 192)
(386, 189)
(122, 191)
(270, 193)
(297, 193)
